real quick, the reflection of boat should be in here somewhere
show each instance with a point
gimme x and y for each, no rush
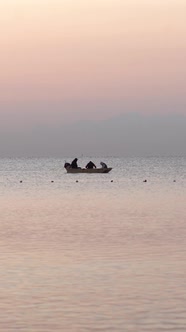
(88, 170)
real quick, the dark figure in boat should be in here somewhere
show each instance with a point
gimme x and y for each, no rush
(74, 163)
(67, 165)
(90, 165)
(103, 165)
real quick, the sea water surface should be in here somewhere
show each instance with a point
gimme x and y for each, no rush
(93, 252)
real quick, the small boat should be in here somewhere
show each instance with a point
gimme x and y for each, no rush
(88, 170)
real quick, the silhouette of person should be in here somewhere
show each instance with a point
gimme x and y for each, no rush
(103, 165)
(90, 165)
(67, 165)
(74, 163)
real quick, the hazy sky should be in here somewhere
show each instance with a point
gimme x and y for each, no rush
(64, 63)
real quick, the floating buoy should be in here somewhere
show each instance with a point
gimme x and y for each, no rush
(145, 181)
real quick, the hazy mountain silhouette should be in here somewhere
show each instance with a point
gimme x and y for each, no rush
(127, 134)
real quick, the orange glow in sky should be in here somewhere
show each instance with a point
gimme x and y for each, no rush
(111, 70)
(103, 49)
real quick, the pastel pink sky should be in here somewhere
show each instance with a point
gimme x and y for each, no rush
(91, 52)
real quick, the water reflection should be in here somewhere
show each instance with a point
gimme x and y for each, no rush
(92, 255)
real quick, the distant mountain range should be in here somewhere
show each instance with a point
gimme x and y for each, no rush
(127, 134)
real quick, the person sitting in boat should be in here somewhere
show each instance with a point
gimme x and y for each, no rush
(103, 165)
(74, 163)
(67, 165)
(90, 165)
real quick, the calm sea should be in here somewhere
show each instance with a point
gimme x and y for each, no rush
(102, 252)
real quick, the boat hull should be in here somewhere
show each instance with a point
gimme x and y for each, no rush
(88, 170)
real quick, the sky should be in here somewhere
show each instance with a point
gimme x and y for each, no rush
(81, 66)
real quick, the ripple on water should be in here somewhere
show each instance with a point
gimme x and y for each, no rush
(94, 256)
